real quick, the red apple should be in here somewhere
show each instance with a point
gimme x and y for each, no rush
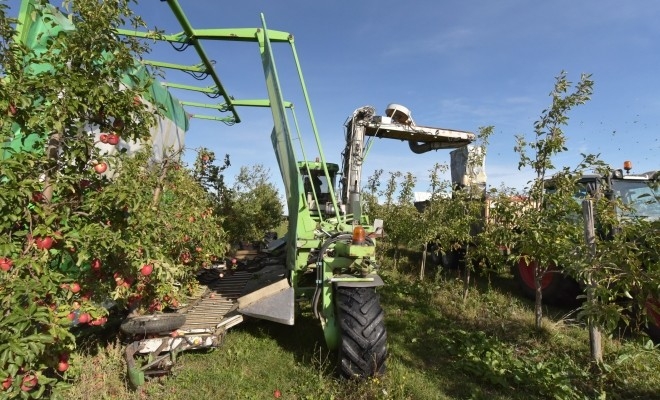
(44, 243)
(62, 366)
(6, 384)
(118, 124)
(37, 197)
(29, 382)
(6, 263)
(75, 287)
(85, 183)
(103, 138)
(96, 264)
(71, 316)
(12, 109)
(137, 101)
(100, 167)
(84, 318)
(146, 269)
(113, 139)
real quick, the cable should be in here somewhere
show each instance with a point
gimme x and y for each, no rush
(182, 47)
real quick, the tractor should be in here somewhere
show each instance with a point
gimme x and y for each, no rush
(638, 193)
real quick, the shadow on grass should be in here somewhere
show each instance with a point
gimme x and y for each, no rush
(304, 340)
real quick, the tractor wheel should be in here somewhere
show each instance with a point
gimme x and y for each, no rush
(653, 314)
(453, 259)
(155, 323)
(556, 288)
(363, 347)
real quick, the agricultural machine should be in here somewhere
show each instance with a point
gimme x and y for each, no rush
(330, 245)
(328, 256)
(638, 193)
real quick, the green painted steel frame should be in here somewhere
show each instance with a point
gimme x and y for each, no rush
(306, 234)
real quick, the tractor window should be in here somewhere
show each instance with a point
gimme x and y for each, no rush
(640, 198)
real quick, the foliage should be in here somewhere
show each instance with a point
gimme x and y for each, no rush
(78, 245)
(253, 203)
(547, 233)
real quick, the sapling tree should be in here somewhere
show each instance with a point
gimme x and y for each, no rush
(548, 237)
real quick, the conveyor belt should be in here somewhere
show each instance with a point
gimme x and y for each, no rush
(217, 303)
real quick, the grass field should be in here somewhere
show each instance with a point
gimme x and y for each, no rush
(441, 347)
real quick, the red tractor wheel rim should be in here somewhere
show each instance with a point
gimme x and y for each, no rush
(526, 271)
(653, 311)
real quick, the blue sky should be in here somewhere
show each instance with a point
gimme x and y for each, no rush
(454, 64)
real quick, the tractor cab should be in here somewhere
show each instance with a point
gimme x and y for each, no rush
(317, 185)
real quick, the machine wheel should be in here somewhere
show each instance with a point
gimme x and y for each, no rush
(155, 323)
(363, 347)
(556, 288)
(653, 313)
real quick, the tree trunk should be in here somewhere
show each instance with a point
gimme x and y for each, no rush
(590, 239)
(466, 284)
(159, 185)
(421, 272)
(538, 299)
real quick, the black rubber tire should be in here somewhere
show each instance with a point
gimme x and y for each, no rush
(363, 346)
(154, 323)
(558, 289)
(453, 259)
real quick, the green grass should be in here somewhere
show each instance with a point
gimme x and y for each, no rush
(441, 347)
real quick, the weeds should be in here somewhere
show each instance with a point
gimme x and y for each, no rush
(441, 347)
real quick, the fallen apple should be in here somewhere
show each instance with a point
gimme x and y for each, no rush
(6, 264)
(37, 197)
(44, 243)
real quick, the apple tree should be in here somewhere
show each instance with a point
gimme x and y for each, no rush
(85, 234)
